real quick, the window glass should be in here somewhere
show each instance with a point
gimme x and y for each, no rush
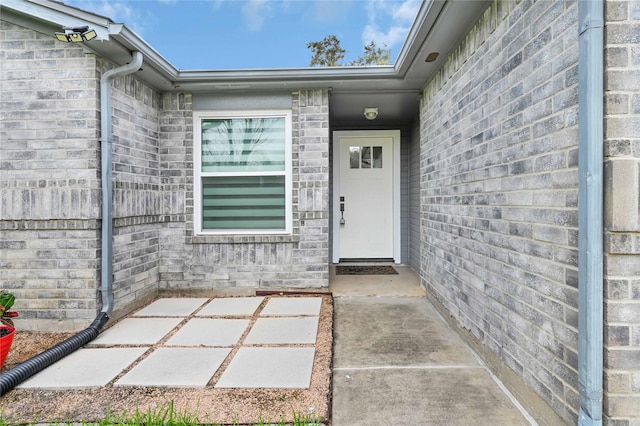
(243, 180)
(366, 157)
(377, 157)
(243, 144)
(246, 202)
(354, 157)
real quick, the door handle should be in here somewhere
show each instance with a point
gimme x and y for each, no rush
(342, 222)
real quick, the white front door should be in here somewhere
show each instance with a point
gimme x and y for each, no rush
(364, 188)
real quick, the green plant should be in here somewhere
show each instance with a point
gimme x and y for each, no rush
(158, 416)
(168, 415)
(307, 420)
(6, 302)
(298, 420)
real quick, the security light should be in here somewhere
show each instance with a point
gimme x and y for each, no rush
(76, 34)
(371, 113)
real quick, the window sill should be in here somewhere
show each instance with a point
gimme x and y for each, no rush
(246, 239)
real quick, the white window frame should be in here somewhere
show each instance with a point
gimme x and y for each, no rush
(198, 174)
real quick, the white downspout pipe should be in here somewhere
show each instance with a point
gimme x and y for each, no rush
(106, 139)
(590, 227)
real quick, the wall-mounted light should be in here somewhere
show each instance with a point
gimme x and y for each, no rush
(76, 34)
(371, 113)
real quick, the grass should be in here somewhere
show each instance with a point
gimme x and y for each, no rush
(167, 415)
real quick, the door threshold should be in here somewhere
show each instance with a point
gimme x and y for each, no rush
(365, 260)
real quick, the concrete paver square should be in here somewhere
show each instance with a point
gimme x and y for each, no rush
(137, 331)
(231, 306)
(176, 367)
(209, 332)
(85, 368)
(288, 368)
(171, 307)
(283, 331)
(292, 306)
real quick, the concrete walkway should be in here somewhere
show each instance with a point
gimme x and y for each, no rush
(397, 362)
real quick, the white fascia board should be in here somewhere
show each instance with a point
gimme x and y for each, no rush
(58, 14)
(289, 74)
(422, 25)
(133, 42)
(278, 79)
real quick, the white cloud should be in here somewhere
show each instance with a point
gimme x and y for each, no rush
(255, 12)
(389, 22)
(330, 11)
(406, 12)
(392, 37)
(216, 4)
(119, 11)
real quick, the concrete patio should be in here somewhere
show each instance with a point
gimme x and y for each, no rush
(182, 342)
(395, 361)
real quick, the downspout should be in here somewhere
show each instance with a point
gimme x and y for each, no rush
(39, 362)
(106, 132)
(590, 226)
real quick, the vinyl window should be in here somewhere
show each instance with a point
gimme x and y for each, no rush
(243, 172)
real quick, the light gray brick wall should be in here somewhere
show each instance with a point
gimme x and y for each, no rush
(241, 264)
(414, 198)
(499, 189)
(50, 200)
(405, 188)
(622, 213)
(138, 196)
(49, 180)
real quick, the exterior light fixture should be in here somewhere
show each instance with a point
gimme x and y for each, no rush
(432, 57)
(371, 113)
(76, 34)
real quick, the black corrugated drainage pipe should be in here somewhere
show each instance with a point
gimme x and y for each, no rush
(23, 371)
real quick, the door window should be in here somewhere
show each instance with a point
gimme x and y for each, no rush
(365, 157)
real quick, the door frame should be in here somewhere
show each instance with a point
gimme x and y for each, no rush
(335, 214)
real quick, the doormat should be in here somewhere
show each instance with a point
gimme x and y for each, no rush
(365, 270)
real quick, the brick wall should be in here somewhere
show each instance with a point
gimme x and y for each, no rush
(414, 198)
(138, 192)
(499, 192)
(49, 179)
(241, 264)
(622, 213)
(50, 201)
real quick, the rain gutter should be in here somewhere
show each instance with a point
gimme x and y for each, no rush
(590, 226)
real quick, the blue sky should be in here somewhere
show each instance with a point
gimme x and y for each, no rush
(237, 34)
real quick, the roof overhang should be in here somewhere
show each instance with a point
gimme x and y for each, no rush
(438, 27)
